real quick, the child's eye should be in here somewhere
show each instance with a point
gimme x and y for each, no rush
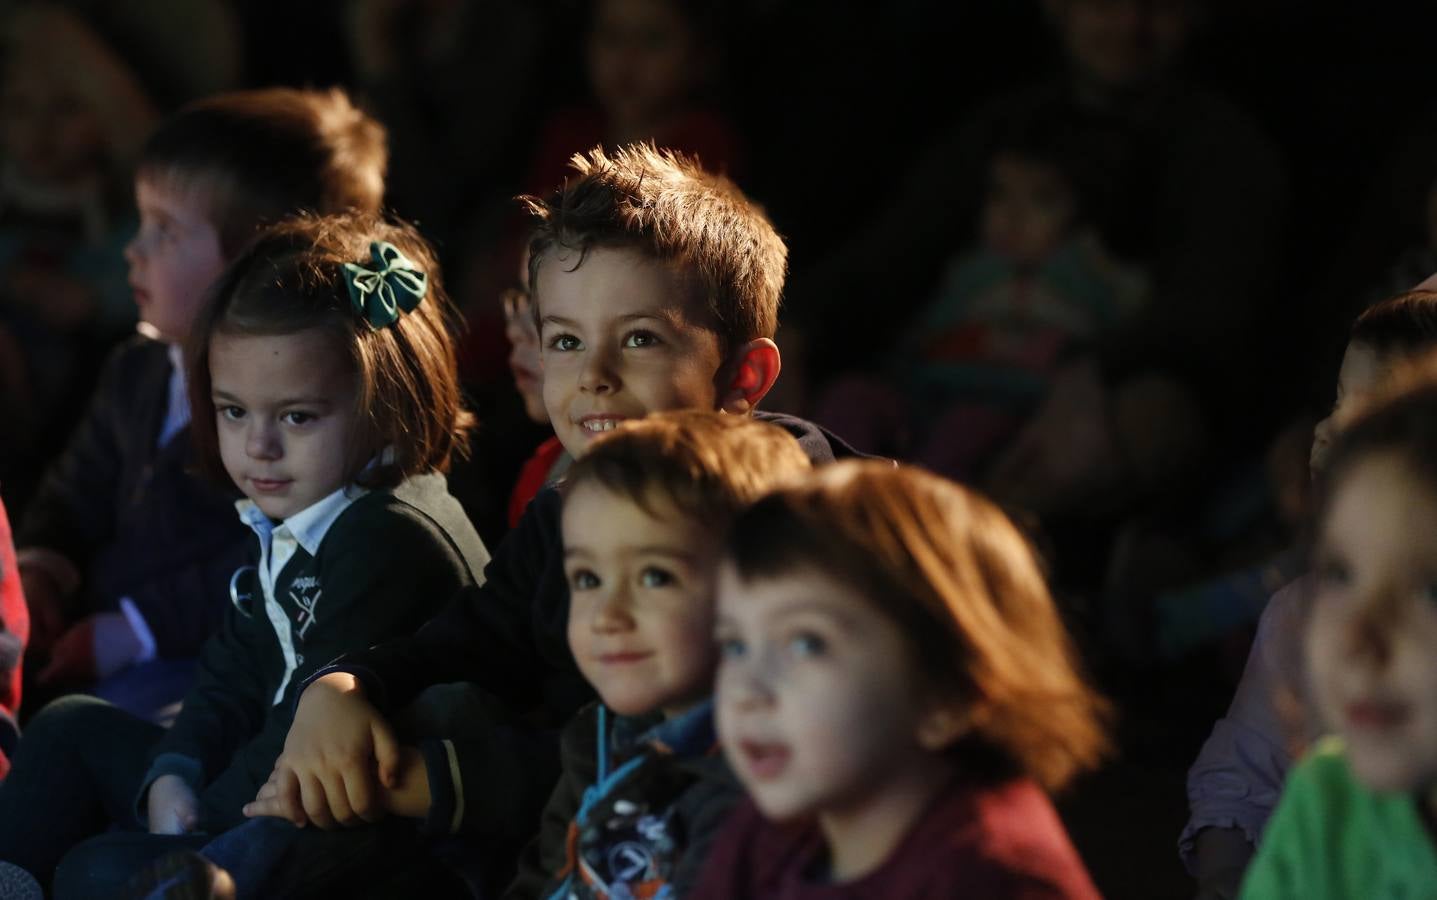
(297, 417)
(583, 580)
(806, 643)
(652, 577)
(641, 339)
(1333, 573)
(232, 413)
(564, 343)
(731, 648)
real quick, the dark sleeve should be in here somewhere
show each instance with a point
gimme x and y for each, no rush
(73, 511)
(547, 854)
(229, 701)
(491, 787)
(720, 873)
(706, 808)
(508, 636)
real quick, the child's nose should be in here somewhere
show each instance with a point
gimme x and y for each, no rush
(613, 614)
(262, 442)
(600, 374)
(1373, 627)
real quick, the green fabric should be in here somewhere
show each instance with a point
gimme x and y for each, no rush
(1333, 838)
(395, 285)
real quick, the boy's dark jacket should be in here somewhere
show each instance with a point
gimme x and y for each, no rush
(130, 516)
(647, 824)
(510, 636)
(388, 562)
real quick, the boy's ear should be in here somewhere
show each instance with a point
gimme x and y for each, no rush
(750, 372)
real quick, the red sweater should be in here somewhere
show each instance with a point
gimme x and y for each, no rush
(14, 633)
(999, 841)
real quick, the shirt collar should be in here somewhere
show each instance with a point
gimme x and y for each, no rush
(308, 526)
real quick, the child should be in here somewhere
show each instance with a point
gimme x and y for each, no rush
(14, 632)
(1235, 781)
(1356, 815)
(644, 787)
(126, 559)
(322, 385)
(656, 288)
(895, 690)
(1008, 312)
(75, 116)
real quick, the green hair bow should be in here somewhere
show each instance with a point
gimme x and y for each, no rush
(394, 286)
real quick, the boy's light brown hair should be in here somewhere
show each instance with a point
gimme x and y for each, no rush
(260, 155)
(290, 279)
(707, 466)
(964, 587)
(664, 205)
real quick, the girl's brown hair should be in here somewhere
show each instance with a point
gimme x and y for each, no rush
(292, 279)
(963, 585)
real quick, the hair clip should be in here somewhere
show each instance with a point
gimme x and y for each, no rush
(394, 286)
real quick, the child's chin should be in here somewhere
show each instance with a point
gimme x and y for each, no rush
(1388, 770)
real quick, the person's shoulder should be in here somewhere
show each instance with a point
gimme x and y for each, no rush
(821, 445)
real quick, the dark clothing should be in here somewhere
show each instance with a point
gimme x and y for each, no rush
(1001, 841)
(510, 637)
(379, 570)
(382, 569)
(130, 515)
(76, 772)
(638, 805)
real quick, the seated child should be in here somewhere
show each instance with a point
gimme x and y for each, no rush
(126, 558)
(1357, 814)
(1234, 784)
(322, 384)
(656, 288)
(980, 355)
(644, 786)
(896, 691)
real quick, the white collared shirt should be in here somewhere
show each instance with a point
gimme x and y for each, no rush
(277, 544)
(177, 404)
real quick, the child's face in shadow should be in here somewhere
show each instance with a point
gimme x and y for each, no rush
(1029, 209)
(643, 60)
(1122, 43)
(819, 706)
(641, 600)
(1363, 369)
(285, 413)
(620, 337)
(50, 132)
(174, 258)
(1374, 622)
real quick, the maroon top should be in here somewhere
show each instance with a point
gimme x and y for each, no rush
(1002, 841)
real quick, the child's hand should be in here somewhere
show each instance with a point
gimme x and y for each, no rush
(410, 796)
(174, 809)
(339, 752)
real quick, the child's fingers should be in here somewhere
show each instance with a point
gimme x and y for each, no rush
(363, 799)
(337, 798)
(316, 807)
(387, 755)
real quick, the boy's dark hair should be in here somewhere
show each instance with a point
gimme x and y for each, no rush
(290, 279)
(261, 155)
(963, 586)
(1399, 418)
(1401, 325)
(707, 465)
(662, 204)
